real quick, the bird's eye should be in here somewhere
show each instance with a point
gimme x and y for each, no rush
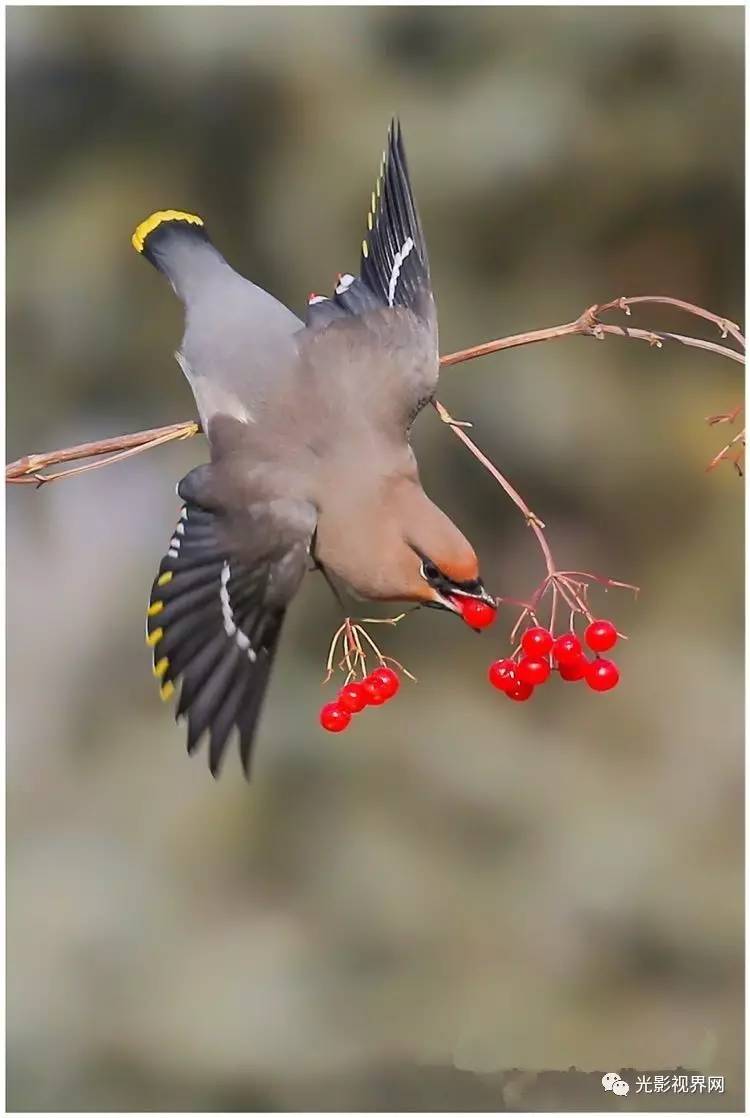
(429, 571)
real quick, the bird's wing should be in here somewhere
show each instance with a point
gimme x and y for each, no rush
(389, 308)
(217, 606)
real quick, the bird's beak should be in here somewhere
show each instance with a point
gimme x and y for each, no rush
(479, 595)
(442, 601)
(450, 598)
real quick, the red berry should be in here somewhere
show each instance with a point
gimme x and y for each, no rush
(374, 691)
(387, 679)
(536, 641)
(333, 717)
(521, 691)
(502, 675)
(567, 649)
(476, 613)
(573, 670)
(533, 670)
(602, 675)
(600, 636)
(353, 697)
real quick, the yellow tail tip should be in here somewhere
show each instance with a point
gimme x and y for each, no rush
(152, 222)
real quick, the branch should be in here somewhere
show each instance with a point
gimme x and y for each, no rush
(571, 586)
(27, 470)
(531, 518)
(724, 325)
(728, 453)
(588, 324)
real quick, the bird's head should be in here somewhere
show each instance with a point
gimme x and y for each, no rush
(444, 568)
(406, 549)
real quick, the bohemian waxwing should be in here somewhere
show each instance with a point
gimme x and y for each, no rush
(308, 426)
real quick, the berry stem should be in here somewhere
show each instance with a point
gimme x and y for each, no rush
(553, 608)
(353, 639)
(354, 647)
(383, 620)
(332, 651)
(370, 641)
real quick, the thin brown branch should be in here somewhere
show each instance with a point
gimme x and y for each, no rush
(536, 525)
(724, 325)
(589, 324)
(657, 337)
(728, 454)
(558, 581)
(725, 416)
(28, 470)
(514, 340)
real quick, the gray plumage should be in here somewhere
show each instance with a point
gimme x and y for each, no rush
(308, 429)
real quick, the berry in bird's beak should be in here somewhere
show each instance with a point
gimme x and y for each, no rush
(476, 613)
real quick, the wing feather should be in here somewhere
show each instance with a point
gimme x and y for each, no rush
(216, 610)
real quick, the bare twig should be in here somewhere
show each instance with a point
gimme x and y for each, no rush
(588, 324)
(725, 327)
(515, 340)
(658, 337)
(531, 518)
(725, 417)
(571, 586)
(728, 453)
(26, 470)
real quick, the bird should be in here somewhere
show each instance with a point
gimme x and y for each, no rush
(311, 466)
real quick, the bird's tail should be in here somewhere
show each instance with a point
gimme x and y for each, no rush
(178, 245)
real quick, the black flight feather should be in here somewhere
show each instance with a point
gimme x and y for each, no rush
(213, 633)
(394, 262)
(394, 269)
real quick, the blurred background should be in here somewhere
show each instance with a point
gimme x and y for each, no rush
(459, 886)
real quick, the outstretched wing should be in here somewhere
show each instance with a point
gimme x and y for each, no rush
(394, 262)
(394, 269)
(392, 296)
(216, 610)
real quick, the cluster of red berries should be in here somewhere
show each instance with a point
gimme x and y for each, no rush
(517, 678)
(374, 690)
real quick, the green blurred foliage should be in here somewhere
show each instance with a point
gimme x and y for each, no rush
(457, 885)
